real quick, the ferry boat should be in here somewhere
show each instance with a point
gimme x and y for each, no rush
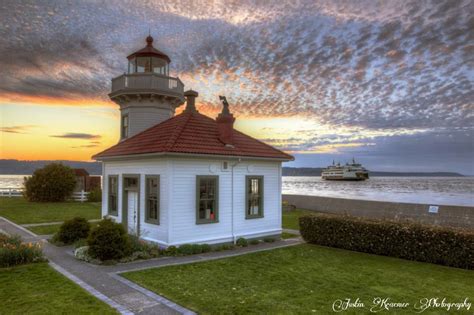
(352, 171)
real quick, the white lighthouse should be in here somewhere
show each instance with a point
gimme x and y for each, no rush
(147, 95)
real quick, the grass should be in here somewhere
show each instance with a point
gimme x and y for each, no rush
(286, 235)
(21, 211)
(39, 289)
(303, 279)
(49, 229)
(290, 218)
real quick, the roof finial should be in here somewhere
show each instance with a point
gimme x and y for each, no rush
(149, 41)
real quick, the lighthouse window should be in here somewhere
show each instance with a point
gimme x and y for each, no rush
(254, 189)
(207, 192)
(124, 126)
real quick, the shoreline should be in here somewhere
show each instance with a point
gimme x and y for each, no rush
(452, 216)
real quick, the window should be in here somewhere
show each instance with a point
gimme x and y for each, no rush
(152, 200)
(254, 193)
(130, 183)
(207, 192)
(125, 126)
(113, 192)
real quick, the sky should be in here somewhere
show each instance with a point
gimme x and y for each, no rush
(390, 83)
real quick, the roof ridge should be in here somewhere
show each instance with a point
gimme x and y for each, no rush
(177, 132)
(122, 141)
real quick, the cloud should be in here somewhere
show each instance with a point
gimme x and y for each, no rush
(395, 68)
(71, 135)
(17, 129)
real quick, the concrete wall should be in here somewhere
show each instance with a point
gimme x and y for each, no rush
(455, 216)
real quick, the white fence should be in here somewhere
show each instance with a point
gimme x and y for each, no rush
(18, 192)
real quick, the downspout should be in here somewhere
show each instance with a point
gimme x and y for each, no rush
(232, 198)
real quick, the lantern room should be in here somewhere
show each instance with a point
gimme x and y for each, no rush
(149, 60)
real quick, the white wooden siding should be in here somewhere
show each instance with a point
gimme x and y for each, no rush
(184, 228)
(178, 199)
(152, 232)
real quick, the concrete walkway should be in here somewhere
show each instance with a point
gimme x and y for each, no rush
(297, 232)
(105, 283)
(51, 223)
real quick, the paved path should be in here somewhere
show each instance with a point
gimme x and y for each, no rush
(51, 223)
(105, 283)
(297, 232)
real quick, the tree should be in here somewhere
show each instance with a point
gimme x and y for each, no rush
(54, 182)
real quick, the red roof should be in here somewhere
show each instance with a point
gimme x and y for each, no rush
(191, 133)
(149, 51)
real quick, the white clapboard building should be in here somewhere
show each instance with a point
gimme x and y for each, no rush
(187, 178)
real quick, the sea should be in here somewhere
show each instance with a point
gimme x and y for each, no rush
(456, 191)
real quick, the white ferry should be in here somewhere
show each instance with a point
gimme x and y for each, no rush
(353, 171)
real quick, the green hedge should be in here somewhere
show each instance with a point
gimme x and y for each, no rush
(437, 245)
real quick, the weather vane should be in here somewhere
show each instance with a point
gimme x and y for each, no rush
(225, 103)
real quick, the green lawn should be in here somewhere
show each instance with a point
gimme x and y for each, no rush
(49, 229)
(285, 235)
(39, 289)
(290, 218)
(21, 211)
(303, 279)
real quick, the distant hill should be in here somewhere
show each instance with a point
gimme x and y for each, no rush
(316, 171)
(17, 167)
(95, 168)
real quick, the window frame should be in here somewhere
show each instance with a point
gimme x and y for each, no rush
(147, 191)
(261, 188)
(198, 183)
(109, 210)
(122, 131)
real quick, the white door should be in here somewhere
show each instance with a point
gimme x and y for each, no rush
(132, 212)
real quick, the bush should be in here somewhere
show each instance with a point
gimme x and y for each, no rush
(73, 230)
(108, 240)
(54, 182)
(95, 195)
(192, 249)
(269, 240)
(171, 251)
(254, 242)
(13, 252)
(242, 242)
(438, 245)
(80, 243)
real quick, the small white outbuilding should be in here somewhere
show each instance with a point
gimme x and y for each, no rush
(186, 178)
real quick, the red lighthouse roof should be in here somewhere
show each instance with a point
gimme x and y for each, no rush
(149, 51)
(191, 133)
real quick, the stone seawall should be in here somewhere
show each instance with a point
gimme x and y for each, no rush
(454, 216)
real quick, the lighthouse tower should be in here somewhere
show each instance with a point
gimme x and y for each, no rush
(146, 94)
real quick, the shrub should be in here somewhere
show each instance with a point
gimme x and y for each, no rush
(108, 240)
(192, 249)
(80, 243)
(138, 246)
(13, 252)
(95, 195)
(242, 242)
(73, 230)
(438, 245)
(54, 182)
(269, 240)
(254, 242)
(171, 251)
(206, 248)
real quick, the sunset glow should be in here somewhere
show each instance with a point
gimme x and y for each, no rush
(320, 79)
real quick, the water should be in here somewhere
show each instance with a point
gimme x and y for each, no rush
(430, 190)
